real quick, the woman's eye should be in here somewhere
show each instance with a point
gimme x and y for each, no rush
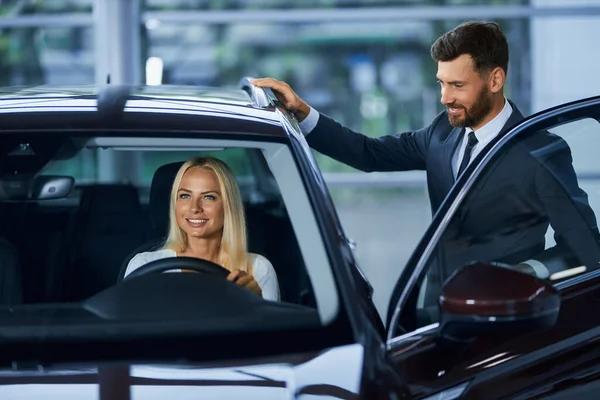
(184, 196)
(210, 197)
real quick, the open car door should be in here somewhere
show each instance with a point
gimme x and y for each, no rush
(500, 299)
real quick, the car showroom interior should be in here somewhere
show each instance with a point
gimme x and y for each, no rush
(374, 143)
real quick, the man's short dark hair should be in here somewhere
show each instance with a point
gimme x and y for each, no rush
(483, 41)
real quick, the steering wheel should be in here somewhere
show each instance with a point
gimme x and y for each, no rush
(171, 263)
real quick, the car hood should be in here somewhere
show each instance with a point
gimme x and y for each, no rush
(334, 373)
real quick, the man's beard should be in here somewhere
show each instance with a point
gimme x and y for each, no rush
(473, 116)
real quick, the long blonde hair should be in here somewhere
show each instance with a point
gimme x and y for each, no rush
(233, 252)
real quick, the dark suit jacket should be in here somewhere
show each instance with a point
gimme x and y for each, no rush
(507, 214)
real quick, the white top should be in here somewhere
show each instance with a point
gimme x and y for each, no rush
(484, 135)
(262, 270)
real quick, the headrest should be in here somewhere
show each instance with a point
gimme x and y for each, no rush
(160, 192)
(110, 199)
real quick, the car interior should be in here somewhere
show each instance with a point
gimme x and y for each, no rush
(67, 237)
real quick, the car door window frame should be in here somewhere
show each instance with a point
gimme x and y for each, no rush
(544, 120)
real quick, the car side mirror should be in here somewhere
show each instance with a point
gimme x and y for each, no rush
(493, 298)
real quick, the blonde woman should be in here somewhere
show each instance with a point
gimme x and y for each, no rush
(206, 220)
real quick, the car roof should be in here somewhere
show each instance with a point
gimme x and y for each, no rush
(164, 107)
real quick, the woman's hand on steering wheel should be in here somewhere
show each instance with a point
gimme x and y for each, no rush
(245, 280)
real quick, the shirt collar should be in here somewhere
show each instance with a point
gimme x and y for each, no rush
(487, 132)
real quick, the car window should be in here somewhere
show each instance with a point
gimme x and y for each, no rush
(83, 166)
(534, 208)
(236, 158)
(86, 167)
(91, 235)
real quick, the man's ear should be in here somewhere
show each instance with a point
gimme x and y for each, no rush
(497, 78)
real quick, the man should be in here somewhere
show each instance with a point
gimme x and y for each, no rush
(472, 66)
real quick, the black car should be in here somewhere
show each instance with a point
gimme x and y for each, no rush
(85, 177)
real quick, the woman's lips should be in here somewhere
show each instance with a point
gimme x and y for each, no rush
(196, 222)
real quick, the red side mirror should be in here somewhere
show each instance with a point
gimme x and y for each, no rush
(491, 297)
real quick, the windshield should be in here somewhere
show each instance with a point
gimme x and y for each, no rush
(89, 237)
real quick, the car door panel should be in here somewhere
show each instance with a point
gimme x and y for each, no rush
(504, 367)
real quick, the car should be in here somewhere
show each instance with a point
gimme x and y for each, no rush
(85, 179)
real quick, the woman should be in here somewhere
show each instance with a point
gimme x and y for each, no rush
(206, 220)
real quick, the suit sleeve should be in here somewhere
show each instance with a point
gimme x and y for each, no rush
(400, 152)
(568, 209)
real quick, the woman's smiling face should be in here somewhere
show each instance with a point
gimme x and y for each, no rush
(199, 205)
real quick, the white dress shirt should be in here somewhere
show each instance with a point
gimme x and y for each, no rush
(309, 123)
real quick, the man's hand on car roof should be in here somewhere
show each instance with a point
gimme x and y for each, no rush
(290, 100)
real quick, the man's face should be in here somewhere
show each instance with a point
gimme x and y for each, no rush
(465, 93)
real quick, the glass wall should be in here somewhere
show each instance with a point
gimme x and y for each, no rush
(376, 77)
(44, 7)
(162, 5)
(33, 54)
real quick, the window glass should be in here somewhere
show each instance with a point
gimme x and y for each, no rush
(82, 167)
(535, 209)
(236, 158)
(376, 78)
(87, 167)
(20, 7)
(182, 5)
(78, 226)
(47, 55)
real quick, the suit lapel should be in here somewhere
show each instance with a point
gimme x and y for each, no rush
(514, 119)
(450, 145)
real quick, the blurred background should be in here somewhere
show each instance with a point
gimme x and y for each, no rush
(365, 63)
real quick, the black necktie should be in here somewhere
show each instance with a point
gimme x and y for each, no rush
(467, 157)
